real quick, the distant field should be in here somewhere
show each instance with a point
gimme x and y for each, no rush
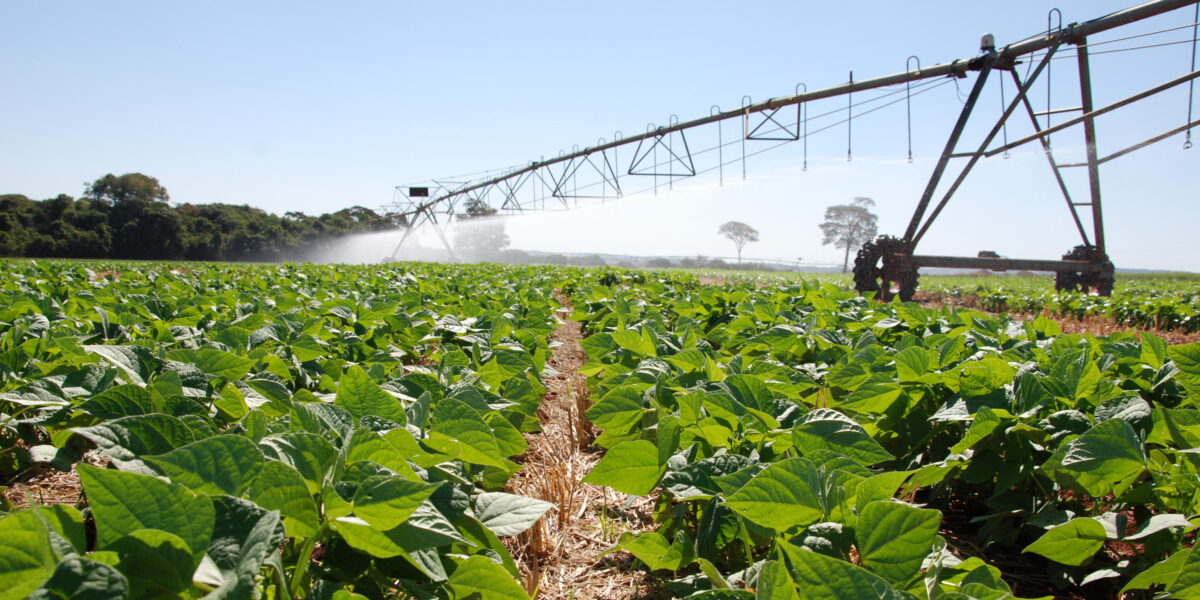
(1167, 302)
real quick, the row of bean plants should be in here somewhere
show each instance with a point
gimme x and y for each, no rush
(275, 431)
(804, 442)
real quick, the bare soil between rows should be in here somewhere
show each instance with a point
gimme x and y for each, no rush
(563, 555)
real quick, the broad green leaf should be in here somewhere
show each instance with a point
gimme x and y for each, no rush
(983, 425)
(391, 450)
(881, 486)
(120, 401)
(630, 467)
(1159, 522)
(237, 532)
(508, 438)
(894, 538)
(322, 419)
(1187, 359)
(1154, 350)
(913, 362)
(215, 362)
(775, 583)
(459, 430)
(81, 579)
(243, 550)
(307, 453)
(827, 429)
(653, 549)
(598, 345)
(429, 528)
(1187, 584)
(426, 528)
(127, 502)
(873, 397)
(748, 390)
(156, 563)
(1162, 573)
(638, 342)
(825, 578)
(222, 464)
(782, 496)
(1133, 409)
(479, 577)
(1175, 427)
(1107, 458)
(508, 514)
(617, 413)
(126, 439)
(68, 523)
(1072, 543)
(697, 479)
(1076, 373)
(361, 536)
(362, 397)
(124, 358)
(279, 487)
(688, 361)
(718, 527)
(984, 376)
(26, 558)
(386, 502)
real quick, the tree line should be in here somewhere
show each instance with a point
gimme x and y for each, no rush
(129, 217)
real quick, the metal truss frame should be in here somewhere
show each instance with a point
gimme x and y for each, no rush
(558, 175)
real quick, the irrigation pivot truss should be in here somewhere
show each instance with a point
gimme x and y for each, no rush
(888, 265)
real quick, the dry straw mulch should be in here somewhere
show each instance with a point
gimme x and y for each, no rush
(48, 485)
(561, 555)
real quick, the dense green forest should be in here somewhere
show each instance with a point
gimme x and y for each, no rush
(129, 216)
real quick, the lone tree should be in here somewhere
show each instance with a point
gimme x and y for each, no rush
(740, 234)
(482, 234)
(849, 226)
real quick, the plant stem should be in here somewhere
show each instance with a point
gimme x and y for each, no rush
(301, 570)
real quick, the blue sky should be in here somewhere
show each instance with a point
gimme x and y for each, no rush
(318, 106)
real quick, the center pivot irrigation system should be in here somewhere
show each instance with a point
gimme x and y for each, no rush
(887, 265)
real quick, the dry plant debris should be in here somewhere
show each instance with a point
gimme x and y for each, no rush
(561, 555)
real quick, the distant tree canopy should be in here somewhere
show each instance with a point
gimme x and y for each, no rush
(482, 235)
(476, 208)
(740, 234)
(849, 226)
(128, 216)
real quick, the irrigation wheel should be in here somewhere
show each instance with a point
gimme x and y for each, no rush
(891, 278)
(1089, 283)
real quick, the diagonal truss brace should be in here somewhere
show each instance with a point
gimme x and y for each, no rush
(640, 156)
(601, 165)
(786, 133)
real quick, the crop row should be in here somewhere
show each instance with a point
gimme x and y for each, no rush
(805, 442)
(1138, 303)
(269, 431)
